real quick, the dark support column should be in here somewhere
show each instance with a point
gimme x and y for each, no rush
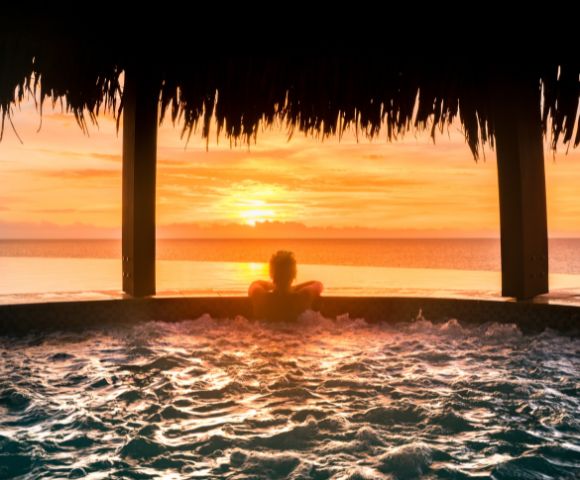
(140, 99)
(522, 188)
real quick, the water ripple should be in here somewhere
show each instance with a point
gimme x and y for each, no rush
(321, 399)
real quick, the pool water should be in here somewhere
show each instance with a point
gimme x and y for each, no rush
(318, 399)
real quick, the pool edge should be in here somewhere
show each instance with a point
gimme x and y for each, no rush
(529, 316)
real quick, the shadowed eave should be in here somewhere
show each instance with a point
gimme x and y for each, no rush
(312, 91)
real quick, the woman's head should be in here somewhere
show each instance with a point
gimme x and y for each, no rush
(283, 269)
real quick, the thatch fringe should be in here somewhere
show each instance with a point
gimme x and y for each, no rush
(316, 93)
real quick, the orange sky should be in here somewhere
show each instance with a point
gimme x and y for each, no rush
(62, 183)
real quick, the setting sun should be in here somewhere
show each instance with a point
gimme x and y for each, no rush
(251, 202)
(254, 216)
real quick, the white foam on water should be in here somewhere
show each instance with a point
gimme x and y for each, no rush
(318, 398)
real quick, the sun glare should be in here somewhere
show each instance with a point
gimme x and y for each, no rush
(257, 215)
(251, 203)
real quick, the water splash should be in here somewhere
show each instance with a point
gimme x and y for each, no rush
(321, 398)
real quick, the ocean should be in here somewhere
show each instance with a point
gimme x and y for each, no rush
(226, 267)
(455, 254)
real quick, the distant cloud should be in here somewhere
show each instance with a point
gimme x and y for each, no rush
(49, 230)
(286, 230)
(111, 157)
(81, 173)
(282, 230)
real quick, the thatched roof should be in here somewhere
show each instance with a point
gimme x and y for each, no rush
(314, 91)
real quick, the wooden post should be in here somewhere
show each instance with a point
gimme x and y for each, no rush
(522, 186)
(140, 98)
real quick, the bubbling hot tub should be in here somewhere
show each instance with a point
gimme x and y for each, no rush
(320, 398)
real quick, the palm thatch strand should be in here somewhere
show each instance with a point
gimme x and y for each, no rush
(316, 92)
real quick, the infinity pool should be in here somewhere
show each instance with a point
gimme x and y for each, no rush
(318, 399)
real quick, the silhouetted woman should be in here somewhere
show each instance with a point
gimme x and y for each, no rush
(278, 300)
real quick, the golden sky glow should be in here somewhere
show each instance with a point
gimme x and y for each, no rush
(62, 183)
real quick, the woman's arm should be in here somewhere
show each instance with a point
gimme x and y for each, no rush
(314, 288)
(260, 286)
(258, 293)
(309, 292)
